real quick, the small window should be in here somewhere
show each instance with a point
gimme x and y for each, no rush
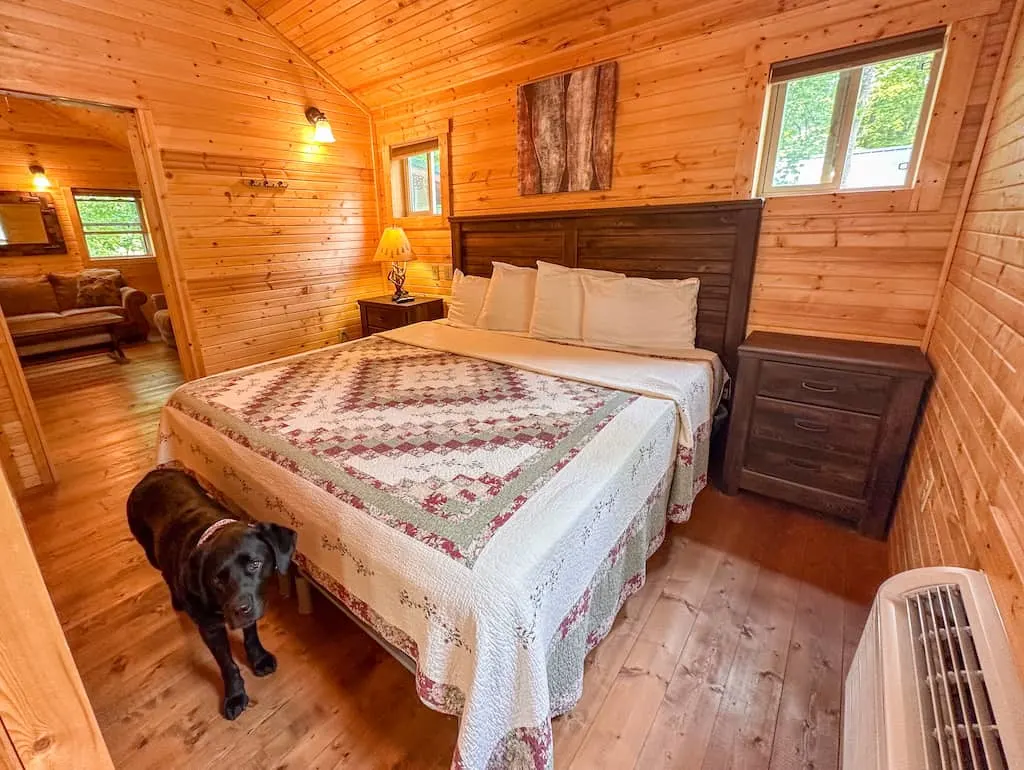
(113, 223)
(416, 180)
(850, 120)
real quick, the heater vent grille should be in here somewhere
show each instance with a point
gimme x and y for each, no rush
(960, 731)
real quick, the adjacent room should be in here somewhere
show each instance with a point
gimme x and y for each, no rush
(494, 385)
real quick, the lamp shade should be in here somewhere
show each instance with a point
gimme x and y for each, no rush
(394, 246)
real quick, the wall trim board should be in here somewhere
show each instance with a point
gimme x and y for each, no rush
(10, 369)
(149, 168)
(972, 170)
(46, 719)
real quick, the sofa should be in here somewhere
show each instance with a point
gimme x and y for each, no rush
(59, 312)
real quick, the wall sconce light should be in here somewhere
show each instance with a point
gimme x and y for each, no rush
(39, 178)
(321, 128)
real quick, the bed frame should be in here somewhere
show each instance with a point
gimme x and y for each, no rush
(715, 242)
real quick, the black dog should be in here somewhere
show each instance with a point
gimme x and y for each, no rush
(214, 565)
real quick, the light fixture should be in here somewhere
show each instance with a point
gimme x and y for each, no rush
(39, 178)
(394, 247)
(321, 127)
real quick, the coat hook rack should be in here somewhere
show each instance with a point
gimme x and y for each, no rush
(268, 184)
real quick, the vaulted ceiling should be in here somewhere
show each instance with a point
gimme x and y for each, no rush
(387, 51)
(45, 120)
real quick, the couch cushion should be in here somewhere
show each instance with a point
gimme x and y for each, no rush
(99, 287)
(65, 286)
(85, 312)
(20, 296)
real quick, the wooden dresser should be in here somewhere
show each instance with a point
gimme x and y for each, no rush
(380, 313)
(825, 424)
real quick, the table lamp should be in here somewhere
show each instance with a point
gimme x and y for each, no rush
(394, 247)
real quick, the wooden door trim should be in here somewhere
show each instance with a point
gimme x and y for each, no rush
(46, 719)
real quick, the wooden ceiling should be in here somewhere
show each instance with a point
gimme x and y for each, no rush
(46, 121)
(387, 51)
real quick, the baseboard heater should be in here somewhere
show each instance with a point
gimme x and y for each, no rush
(933, 685)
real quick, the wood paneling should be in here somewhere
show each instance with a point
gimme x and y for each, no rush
(34, 131)
(692, 85)
(732, 654)
(46, 720)
(963, 500)
(263, 273)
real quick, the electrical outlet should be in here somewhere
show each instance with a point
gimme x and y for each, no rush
(343, 335)
(446, 272)
(926, 490)
(435, 272)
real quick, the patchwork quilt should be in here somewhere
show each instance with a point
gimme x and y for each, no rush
(481, 513)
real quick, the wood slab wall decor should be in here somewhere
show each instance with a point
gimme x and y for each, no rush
(564, 131)
(691, 89)
(962, 502)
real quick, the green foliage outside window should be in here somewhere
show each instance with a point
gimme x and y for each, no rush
(885, 115)
(113, 225)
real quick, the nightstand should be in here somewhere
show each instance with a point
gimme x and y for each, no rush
(825, 424)
(380, 314)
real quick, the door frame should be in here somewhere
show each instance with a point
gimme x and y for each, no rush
(46, 719)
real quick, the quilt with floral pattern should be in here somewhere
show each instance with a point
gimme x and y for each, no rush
(486, 519)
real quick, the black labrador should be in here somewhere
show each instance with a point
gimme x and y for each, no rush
(214, 565)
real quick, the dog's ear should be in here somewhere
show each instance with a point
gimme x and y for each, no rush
(281, 541)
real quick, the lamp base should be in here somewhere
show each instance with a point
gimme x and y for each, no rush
(403, 299)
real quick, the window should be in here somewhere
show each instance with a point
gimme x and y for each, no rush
(113, 223)
(850, 120)
(416, 180)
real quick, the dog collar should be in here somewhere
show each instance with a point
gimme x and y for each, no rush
(213, 529)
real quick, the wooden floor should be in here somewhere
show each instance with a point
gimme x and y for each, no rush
(730, 657)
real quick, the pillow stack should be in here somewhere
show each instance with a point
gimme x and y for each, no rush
(594, 308)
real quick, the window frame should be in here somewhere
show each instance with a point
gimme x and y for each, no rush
(847, 94)
(144, 231)
(400, 155)
(393, 145)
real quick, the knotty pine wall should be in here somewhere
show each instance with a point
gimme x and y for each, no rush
(691, 95)
(970, 447)
(265, 273)
(32, 131)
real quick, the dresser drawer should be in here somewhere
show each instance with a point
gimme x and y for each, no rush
(856, 391)
(829, 471)
(814, 427)
(384, 318)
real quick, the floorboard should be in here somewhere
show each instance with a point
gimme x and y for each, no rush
(731, 656)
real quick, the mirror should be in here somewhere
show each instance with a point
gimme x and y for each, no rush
(29, 225)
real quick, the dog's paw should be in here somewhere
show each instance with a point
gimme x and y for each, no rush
(235, 705)
(264, 665)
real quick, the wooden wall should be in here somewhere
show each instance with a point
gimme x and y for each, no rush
(963, 500)
(265, 273)
(691, 94)
(79, 147)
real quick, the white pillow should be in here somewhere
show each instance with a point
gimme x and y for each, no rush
(509, 301)
(467, 298)
(558, 301)
(640, 315)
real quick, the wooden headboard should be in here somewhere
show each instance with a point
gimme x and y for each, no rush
(715, 242)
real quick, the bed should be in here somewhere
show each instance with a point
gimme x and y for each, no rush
(482, 502)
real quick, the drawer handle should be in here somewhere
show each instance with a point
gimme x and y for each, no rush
(817, 387)
(810, 427)
(806, 465)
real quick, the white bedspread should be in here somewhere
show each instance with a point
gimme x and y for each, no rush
(499, 619)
